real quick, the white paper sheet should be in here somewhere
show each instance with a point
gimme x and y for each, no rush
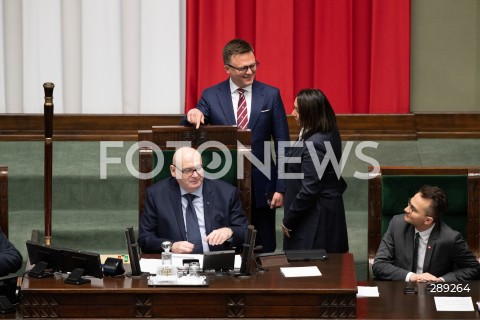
(301, 272)
(364, 291)
(454, 303)
(150, 265)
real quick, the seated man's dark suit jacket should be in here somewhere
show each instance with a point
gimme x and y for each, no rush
(447, 254)
(10, 259)
(162, 219)
(267, 120)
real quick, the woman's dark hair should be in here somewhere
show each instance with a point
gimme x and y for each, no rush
(315, 112)
(439, 201)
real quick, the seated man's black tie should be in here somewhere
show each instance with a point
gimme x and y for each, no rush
(193, 230)
(415, 252)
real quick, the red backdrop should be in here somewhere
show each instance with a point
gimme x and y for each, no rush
(356, 51)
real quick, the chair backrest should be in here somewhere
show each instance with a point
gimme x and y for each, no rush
(390, 188)
(4, 199)
(207, 139)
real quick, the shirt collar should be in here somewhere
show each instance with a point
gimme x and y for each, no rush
(234, 87)
(197, 192)
(425, 234)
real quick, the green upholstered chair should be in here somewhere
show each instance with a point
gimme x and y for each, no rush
(390, 188)
(228, 136)
(4, 199)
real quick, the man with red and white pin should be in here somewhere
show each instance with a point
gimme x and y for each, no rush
(441, 253)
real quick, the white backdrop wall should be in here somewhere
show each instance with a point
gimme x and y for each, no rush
(104, 56)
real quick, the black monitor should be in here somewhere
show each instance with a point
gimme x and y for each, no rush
(133, 254)
(9, 293)
(219, 260)
(306, 255)
(47, 259)
(80, 264)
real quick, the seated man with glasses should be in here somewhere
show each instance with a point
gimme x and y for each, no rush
(196, 214)
(418, 246)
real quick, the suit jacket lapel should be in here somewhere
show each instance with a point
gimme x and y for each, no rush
(208, 199)
(409, 245)
(258, 98)
(296, 149)
(430, 246)
(225, 100)
(176, 201)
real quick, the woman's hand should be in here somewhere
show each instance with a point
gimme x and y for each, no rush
(286, 232)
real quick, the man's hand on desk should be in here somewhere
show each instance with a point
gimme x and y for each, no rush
(182, 247)
(216, 237)
(424, 277)
(219, 236)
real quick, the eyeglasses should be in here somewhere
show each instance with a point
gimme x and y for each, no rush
(244, 70)
(190, 171)
(413, 209)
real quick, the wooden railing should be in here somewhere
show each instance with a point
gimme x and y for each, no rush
(105, 127)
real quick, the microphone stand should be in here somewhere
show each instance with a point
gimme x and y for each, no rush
(248, 257)
(48, 117)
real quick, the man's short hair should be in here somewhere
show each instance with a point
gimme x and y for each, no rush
(235, 46)
(439, 201)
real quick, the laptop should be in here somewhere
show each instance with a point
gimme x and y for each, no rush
(219, 260)
(306, 255)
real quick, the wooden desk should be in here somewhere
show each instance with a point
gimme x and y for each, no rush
(264, 295)
(394, 304)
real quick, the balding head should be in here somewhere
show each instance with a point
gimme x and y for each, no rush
(187, 168)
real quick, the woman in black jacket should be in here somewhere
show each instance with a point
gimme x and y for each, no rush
(314, 216)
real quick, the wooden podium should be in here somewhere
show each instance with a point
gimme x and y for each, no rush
(264, 295)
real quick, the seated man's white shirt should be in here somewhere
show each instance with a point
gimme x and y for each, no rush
(422, 249)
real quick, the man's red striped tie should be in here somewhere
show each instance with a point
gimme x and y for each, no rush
(242, 115)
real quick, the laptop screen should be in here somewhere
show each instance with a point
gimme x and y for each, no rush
(219, 260)
(306, 255)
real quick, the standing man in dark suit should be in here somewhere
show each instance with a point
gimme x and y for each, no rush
(221, 223)
(224, 104)
(10, 258)
(442, 253)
